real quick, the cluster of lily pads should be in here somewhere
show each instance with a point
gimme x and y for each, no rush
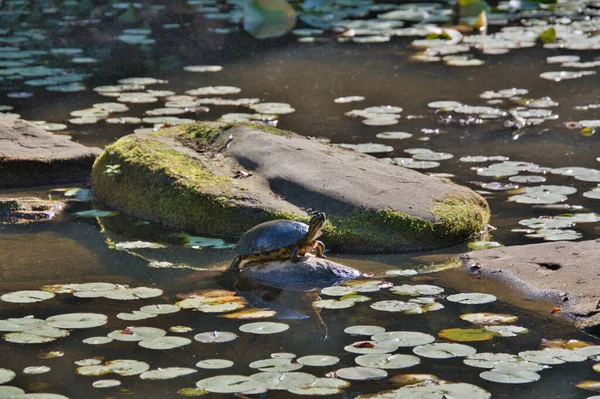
(377, 351)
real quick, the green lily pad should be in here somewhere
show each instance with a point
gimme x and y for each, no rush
(489, 318)
(396, 306)
(369, 148)
(471, 298)
(333, 304)
(588, 351)
(416, 290)
(337, 291)
(372, 347)
(215, 337)
(138, 245)
(361, 373)
(106, 383)
(77, 320)
(135, 315)
(137, 333)
(393, 135)
(276, 365)
(164, 343)
(466, 334)
(501, 360)
(6, 375)
(555, 234)
(322, 387)
(122, 367)
(203, 68)
(510, 376)
(318, 360)
(97, 340)
(36, 369)
(507, 331)
(160, 309)
(404, 339)
(552, 356)
(7, 391)
(26, 296)
(477, 245)
(387, 361)
(167, 373)
(284, 381)
(128, 294)
(444, 350)
(364, 330)
(266, 327)
(214, 364)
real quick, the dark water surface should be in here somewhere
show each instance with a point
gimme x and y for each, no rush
(309, 77)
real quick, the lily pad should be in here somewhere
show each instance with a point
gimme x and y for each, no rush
(416, 290)
(552, 356)
(214, 364)
(26, 296)
(471, 298)
(284, 381)
(444, 350)
(361, 373)
(387, 361)
(488, 318)
(106, 383)
(322, 387)
(372, 347)
(318, 360)
(507, 331)
(6, 375)
(164, 343)
(276, 365)
(264, 327)
(405, 339)
(466, 334)
(364, 330)
(77, 320)
(510, 376)
(215, 337)
(167, 373)
(137, 333)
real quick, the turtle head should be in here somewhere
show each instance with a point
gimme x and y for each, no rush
(317, 221)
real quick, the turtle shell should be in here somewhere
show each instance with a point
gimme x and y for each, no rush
(270, 236)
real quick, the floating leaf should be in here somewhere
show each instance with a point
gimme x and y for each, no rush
(166, 373)
(497, 360)
(264, 327)
(97, 340)
(318, 360)
(137, 333)
(322, 387)
(548, 36)
(248, 314)
(276, 365)
(510, 376)
(77, 320)
(552, 356)
(405, 339)
(106, 383)
(507, 331)
(164, 343)
(333, 304)
(26, 296)
(466, 334)
(387, 361)
(6, 375)
(372, 347)
(590, 386)
(36, 369)
(215, 337)
(160, 309)
(444, 350)
(214, 364)
(416, 290)
(361, 373)
(122, 367)
(471, 298)
(401, 272)
(488, 318)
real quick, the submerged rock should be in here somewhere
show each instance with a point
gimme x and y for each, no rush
(564, 273)
(186, 177)
(31, 156)
(308, 274)
(27, 210)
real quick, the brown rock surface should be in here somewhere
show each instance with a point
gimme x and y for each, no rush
(566, 273)
(31, 156)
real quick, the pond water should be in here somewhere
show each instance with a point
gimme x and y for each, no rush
(308, 76)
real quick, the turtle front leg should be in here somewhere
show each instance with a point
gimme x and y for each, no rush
(319, 249)
(296, 257)
(235, 265)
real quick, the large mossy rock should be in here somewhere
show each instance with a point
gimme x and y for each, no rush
(185, 176)
(31, 156)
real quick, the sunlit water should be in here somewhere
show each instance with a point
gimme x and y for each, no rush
(309, 77)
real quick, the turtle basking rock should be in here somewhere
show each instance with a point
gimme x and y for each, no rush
(280, 239)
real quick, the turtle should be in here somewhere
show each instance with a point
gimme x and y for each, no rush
(280, 239)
